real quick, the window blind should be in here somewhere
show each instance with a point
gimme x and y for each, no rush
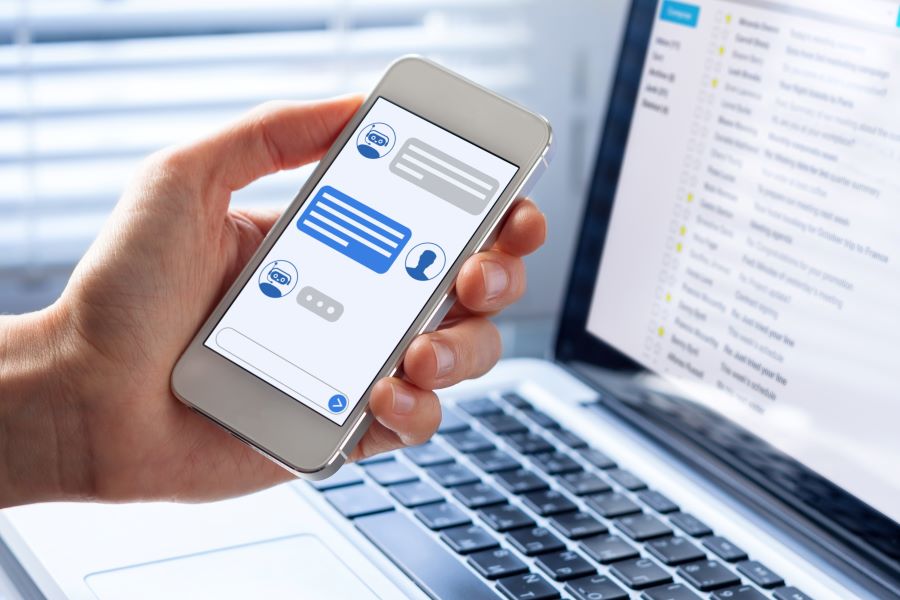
(89, 87)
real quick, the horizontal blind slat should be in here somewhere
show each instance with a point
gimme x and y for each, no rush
(100, 85)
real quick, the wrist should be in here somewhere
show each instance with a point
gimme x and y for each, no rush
(43, 441)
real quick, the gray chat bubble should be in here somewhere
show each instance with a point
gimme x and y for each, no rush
(447, 178)
(318, 303)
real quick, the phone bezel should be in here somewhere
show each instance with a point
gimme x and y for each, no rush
(283, 429)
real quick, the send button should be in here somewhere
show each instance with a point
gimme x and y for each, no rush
(680, 13)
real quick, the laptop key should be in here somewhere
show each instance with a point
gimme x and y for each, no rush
(674, 591)
(452, 475)
(613, 505)
(505, 517)
(760, 574)
(502, 424)
(577, 525)
(606, 549)
(564, 565)
(516, 401)
(520, 481)
(657, 501)
(597, 458)
(428, 455)
(480, 407)
(643, 527)
(415, 494)
(690, 524)
(476, 495)
(528, 443)
(451, 422)
(790, 593)
(568, 438)
(540, 418)
(468, 441)
(529, 586)
(358, 500)
(743, 592)
(548, 502)
(494, 564)
(674, 551)
(582, 483)
(422, 558)
(724, 549)
(534, 540)
(595, 587)
(555, 463)
(493, 461)
(708, 575)
(626, 479)
(468, 538)
(390, 473)
(376, 459)
(441, 516)
(346, 475)
(640, 573)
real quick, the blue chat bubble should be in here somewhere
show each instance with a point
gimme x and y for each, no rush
(354, 229)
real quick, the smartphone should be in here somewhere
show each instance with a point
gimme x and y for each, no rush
(362, 261)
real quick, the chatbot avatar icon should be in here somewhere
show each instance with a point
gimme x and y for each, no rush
(376, 140)
(278, 276)
(278, 279)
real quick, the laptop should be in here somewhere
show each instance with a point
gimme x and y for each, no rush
(718, 418)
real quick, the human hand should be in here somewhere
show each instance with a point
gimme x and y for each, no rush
(86, 411)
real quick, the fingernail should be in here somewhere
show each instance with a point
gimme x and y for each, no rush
(444, 357)
(496, 279)
(404, 402)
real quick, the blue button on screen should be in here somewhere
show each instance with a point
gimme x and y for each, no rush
(680, 13)
(337, 403)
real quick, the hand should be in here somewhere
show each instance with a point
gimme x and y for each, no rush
(86, 410)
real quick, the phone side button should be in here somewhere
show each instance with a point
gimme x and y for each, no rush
(422, 558)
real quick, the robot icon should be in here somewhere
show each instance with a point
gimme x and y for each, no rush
(376, 140)
(278, 279)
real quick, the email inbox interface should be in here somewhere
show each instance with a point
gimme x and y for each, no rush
(346, 279)
(753, 248)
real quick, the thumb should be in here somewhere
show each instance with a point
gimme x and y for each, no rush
(271, 137)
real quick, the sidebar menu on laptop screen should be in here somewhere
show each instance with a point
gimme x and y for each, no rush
(754, 248)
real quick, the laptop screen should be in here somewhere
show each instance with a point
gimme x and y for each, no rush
(753, 251)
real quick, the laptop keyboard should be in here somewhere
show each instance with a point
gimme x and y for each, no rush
(503, 502)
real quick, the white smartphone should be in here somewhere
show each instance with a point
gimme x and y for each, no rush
(361, 262)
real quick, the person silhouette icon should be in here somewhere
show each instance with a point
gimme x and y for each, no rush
(425, 261)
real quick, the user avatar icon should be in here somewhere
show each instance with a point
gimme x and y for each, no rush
(376, 140)
(278, 279)
(425, 261)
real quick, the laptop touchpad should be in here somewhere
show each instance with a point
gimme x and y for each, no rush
(295, 567)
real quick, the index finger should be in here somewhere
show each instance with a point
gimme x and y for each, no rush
(271, 137)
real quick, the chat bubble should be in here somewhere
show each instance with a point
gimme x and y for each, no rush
(446, 177)
(320, 304)
(354, 229)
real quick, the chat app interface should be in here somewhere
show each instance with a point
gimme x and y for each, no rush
(360, 259)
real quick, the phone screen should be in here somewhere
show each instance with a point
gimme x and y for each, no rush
(360, 259)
